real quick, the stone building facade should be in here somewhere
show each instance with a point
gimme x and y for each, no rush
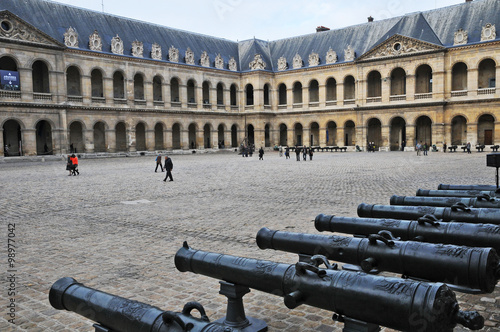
(95, 83)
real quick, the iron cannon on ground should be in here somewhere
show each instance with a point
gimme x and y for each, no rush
(457, 213)
(458, 193)
(475, 269)
(426, 228)
(474, 202)
(393, 302)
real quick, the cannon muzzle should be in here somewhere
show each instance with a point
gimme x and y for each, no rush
(485, 187)
(393, 302)
(120, 314)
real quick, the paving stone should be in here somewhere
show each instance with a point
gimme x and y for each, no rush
(79, 226)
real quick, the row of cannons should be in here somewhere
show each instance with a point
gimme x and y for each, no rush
(439, 242)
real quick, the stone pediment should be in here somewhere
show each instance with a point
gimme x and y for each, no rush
(15, 29)
(399, 45)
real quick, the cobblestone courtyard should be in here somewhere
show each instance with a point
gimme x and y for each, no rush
(117, 226)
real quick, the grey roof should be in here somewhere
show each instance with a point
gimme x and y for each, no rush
(434, 26)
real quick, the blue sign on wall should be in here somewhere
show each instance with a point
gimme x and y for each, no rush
(9, 80)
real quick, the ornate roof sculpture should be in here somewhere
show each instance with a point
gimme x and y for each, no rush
(282, 64)
(137, 49)
(349, 53)
(257, 63)
(156, 52)
(173, 54)
(71, 38)
(331, 56)
(297, 61)
(399, 46)
(488, 32)
(232, 65)
(205, 59)
(117, 45)
(461, 37)
(189, 57)
(95, 42)
(313, 59)
(219, 62)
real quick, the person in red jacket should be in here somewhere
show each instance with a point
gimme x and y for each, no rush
(74, 161)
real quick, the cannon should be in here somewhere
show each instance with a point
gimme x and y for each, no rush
(117, 314)
(457, 213)
(474, 202)
(425, 229)
(393, 302)
(482, 187)
(475, 269)
(457, 193)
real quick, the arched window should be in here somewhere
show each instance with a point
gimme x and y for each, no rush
(220, 94)
(297, 93)
(398, 82)
(349, 90)
(233, 92)
(40, 77)
(157, 89)
(282, 94)
(314, 92)
(118, 85)
(96, 83)
(459, 77)
(174, 92)
(486, 76)
(423, 79)
(374, 86)
(138, 87)
(73, 84)
(249, 94)
(331, 90)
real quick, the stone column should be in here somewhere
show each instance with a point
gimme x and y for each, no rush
(441, 90)
(322, 137)
(386, 90)
(86, 89)
(340, 93)
(88, 140)
(322, 95)
(362, 90)
(273, 94)
(150, 140)
(447, 134)
(305, 97)
(168, 139)
(410, 87)
(340, 136)
(63, 133)
(108, 92)
(26, 84)
(258, 99)
(131, 139)
(227, 99)
(385, 129)
(290, 136)
(410, 136)
(110, 140)
(2, 144)
(29, 141)
(183, 95)
(472, 83)
(472, 133)
(148, 93)
(166, 94)
(184, 139)
(497, 81)
(129, 91)
(438, 134)
(199, 96)
(227, 138)
(213, 98)
(360, 136)
(496, 134)
(289, 98)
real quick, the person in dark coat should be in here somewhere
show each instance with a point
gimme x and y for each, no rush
(261, 153)
(169, 166)
(69, 165)
(297, 152)
(311, 153)
(158, 163)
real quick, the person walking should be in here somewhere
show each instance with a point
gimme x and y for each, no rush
(418, 148)
(287, 152)
(261, 153)
(444, 147)
(158, 163)
(425, 147)
(74, 168)
(297, 152)
(169, 166)
(281, 151)
(311, 152)
(304, 152)
(69, 165)
(468, 147)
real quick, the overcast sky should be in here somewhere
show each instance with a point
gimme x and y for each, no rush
(262, 19)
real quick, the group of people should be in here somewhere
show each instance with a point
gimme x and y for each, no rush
(305, 151)
(422, 147)
(169, 166)
(72, 165)
(371, 147)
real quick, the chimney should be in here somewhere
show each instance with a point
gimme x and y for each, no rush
(370, 19)
(322, 28)
(468, 0)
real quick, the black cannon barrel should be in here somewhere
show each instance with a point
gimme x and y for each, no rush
(475, 202)
(457, 193)
(470, 267)
(485, 187)
(124, 315)
(471, 215)
(465, 234)
(393, 302)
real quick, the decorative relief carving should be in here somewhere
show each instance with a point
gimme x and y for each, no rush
(137, 49)
(205, 59)
(173, 54)
(313, 59)
(331, 56)
(297, 61)
(488, 32)
(340, 241)
(399, 46)
(156, 52)
(461, 37)
(395, 287)
(95, 42)
(257, 63)
(11, 28)
(232, 65)
(71, 38)
(189, 57)
(349, 53)
(282, 65)
(116, 45)
(219, 62)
